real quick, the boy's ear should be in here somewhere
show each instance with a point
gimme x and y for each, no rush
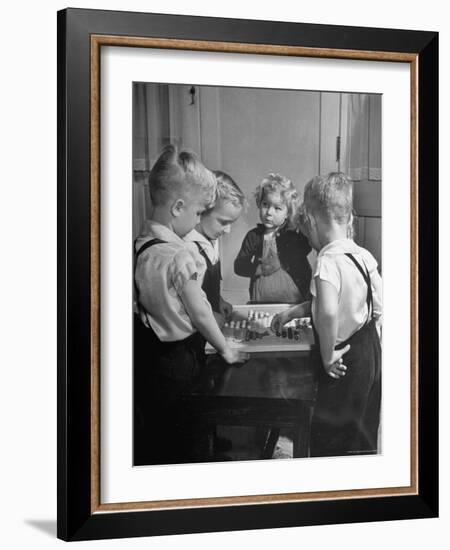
(312, 221)
(176, 207)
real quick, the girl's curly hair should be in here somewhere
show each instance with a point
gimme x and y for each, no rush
(276, 183)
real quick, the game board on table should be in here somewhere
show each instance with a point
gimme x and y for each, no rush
(249, 330)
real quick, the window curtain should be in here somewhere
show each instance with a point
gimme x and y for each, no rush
(150, 134)
(363, 137)
(364, 168)
(358, 133)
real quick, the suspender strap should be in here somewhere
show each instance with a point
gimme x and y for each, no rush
(148, 244)
(203, 253)
(209, 263)
(366, 278)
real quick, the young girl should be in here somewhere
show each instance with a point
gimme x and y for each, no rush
(174, 317)
(273, 254)
(215, 222)
(345, 307)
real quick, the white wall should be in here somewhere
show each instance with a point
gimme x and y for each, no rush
(263, 131)
(28, 289)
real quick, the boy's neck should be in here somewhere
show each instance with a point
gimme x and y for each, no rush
(200, 230)
(162, 216)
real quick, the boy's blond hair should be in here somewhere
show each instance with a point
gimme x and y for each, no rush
(276, 183)
(178, 174)
(227, 189)
(330, 197)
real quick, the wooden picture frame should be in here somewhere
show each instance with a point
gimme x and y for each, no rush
(81, 35)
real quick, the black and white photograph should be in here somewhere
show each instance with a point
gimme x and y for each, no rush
(257, 264)
(184, 188)
(245, 218)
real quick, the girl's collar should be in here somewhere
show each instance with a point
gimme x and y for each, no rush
(284, 227)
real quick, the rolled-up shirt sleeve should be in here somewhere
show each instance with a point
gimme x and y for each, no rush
(182, 269)
(326, 270)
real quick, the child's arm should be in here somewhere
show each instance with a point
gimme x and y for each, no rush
(203, 319)
(377, 289)
(226, 309)
(326, 323)
(248, 259)
(377, 303)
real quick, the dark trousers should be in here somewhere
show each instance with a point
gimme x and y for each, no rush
(347, 411)
(163, 373)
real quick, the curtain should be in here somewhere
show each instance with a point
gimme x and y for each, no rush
(358, 132)
(363, 136)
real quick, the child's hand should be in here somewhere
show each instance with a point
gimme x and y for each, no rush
(226, 309)
(258, 270)
(270, 264)
(232, 356)
(336, 368)
(378, 326)
(279, 320)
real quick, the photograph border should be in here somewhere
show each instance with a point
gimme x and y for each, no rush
(81, 35)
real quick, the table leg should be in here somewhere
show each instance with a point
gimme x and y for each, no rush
(302, 433)
(271, 440)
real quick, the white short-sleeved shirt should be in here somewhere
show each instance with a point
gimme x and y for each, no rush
(162, 271)
(333, 266)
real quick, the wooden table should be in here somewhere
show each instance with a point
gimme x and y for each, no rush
(275, 389)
